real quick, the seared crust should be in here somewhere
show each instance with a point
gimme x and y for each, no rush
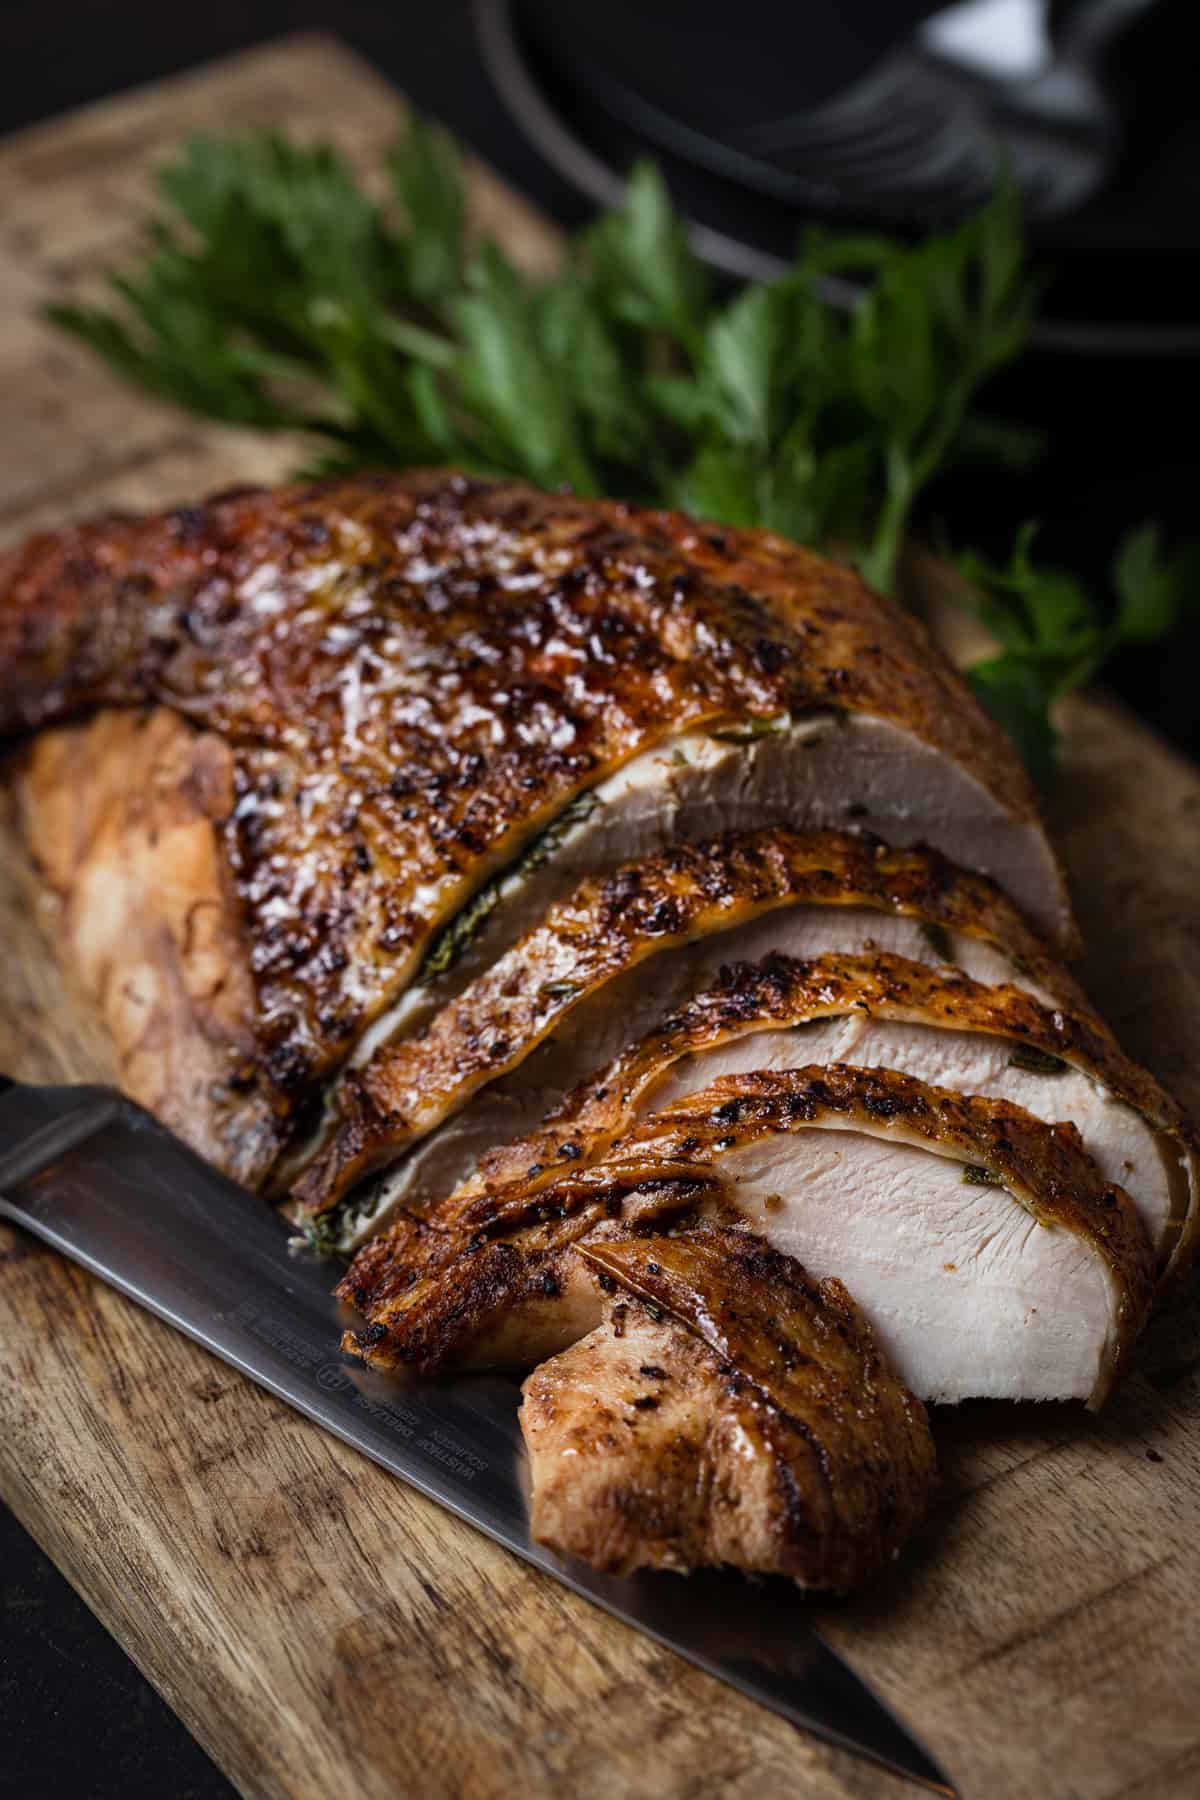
(1044, 1168)
(757, 1425)
(443, 1293)
(414, 673)
(611, 923)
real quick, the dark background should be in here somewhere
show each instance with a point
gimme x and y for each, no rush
(74, 1714)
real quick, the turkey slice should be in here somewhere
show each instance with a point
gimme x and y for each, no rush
(730, 1411)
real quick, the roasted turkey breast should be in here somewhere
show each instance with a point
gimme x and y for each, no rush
(729, 1410)
(417, 677)
(620, 931)
(122, 819)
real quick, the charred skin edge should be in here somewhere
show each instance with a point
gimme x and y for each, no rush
(701, 625)
(1044, 1169)
(780, 993)
(810, 1359)
(98, 570)
(448, 1301)
(610, 924)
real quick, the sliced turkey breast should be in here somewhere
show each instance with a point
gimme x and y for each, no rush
(982, 1244)
(874, 1009)
(823, 770)
(1156, 1167)
(884, 1011)
(418, 675)
(729, 1411)
(581, 985)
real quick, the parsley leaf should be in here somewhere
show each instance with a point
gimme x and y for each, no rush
(643, 270)
(426, 180)
(526, 423)
(1054, 636)
(278, 292)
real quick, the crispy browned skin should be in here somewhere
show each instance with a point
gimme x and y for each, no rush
(756, 1424)
(419, 1284)
(505, 1290)
(413, 673)
(118, 816)
(612, 922)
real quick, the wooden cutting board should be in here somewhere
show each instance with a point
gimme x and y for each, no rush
(321, 1629)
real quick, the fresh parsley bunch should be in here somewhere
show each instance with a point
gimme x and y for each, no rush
(276, 292)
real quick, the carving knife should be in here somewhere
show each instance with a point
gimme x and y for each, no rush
(100, 1180)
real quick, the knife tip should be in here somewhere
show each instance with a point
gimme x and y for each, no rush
(919, 1767)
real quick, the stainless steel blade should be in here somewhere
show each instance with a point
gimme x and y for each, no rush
(101, 1181)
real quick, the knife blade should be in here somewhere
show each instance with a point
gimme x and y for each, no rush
(97, 1178)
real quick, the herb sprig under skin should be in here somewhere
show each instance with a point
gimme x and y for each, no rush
(277, 293)
(455, 938)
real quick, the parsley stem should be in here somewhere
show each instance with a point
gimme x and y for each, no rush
(878, 565)
(424, 346)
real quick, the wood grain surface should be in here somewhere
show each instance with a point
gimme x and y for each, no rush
(324, 1631)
